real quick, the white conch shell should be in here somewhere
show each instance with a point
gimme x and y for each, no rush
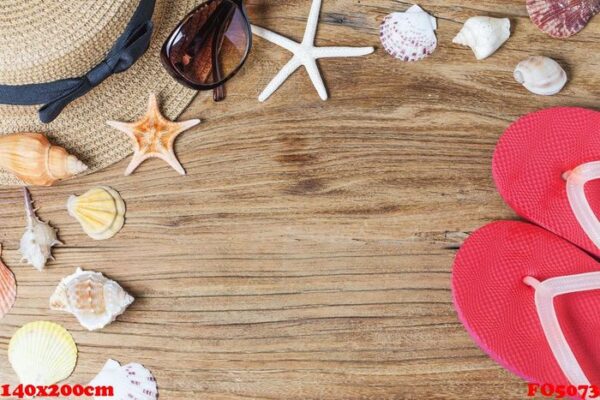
(409, 36)
(131, 381)
(541, 75)
(484, 35)
(95, 300)
(100, 211)
(38, 239)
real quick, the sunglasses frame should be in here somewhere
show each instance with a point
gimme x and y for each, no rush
(179, 77)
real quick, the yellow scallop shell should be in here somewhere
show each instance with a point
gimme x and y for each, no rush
(42, 353)
(100, 211)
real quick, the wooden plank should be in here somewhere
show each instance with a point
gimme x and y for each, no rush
(308, 253)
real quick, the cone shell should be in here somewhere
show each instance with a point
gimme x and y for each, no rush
(35, 161)
(100, 211)
(131, 381)
(8, 288)
(409, 36)
(484, 35)
(95, 300)
(562, 18)
(42, 353)
(541, 75)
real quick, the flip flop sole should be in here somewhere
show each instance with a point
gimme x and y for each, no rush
(498, 310)
(530, 159)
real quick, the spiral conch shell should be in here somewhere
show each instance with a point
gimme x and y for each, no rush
(484, 35)
(541, 75)
(95, 300)
(35, 161)
(100, 211)
(39, 238)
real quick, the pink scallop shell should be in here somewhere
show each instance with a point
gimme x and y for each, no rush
(562, 18)
(409, 36)
(130, 382)
(8, 289)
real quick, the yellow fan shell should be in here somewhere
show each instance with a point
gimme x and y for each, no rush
(100, 211)
(42, 353)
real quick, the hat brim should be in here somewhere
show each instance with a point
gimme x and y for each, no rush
(81, 128)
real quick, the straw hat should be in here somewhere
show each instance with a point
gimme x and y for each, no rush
(48, 40)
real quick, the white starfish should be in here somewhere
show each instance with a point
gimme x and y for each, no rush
(305, 53)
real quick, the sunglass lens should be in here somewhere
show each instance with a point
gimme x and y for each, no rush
(210, 44)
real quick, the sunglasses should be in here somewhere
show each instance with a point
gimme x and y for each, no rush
(209, 46)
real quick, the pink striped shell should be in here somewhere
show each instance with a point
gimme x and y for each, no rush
(409, 36)
(562, 18)
(130, 382)
(8, 288)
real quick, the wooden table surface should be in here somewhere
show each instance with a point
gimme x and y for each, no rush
(308, 253)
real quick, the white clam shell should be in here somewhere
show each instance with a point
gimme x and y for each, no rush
(409, 36)
(484, 35)
(131, 381)
(95, 300)
(541, 75)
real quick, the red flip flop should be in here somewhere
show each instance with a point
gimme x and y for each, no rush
(546, 167)
(530, 300)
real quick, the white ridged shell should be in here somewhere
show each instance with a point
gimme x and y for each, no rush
(484, 35)
(409, 36)
(129, 382)
(42, 353)
(541, 75)
(95, 300)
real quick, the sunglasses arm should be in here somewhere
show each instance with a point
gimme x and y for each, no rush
(219, 92)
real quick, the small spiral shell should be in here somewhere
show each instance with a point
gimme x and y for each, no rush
(541, 75)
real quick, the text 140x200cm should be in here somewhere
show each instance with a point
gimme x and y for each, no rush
(22, 391)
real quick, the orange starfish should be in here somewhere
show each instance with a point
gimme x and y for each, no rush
(153, 137)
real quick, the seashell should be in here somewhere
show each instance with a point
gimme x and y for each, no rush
(541, 75)
(42, 353)
(409, 36)
(8, 288)
(484, 35)
(131, 381)
(95, 300)
(100, 211)
(562, 18)
(38, 239)
(35, 161)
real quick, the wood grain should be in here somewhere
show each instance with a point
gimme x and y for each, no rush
(308, 253)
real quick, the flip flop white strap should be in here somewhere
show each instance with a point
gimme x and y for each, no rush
(545, 292)
(576, 180)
